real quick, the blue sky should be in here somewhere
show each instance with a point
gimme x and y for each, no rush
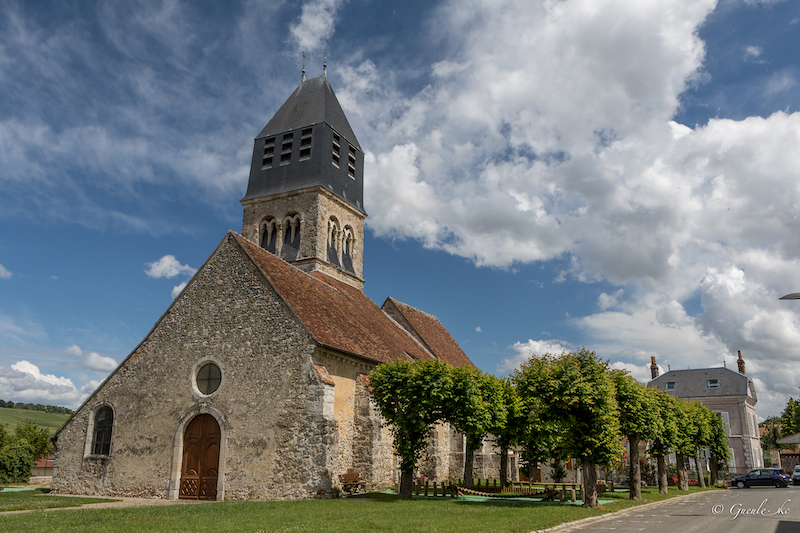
(616, 174)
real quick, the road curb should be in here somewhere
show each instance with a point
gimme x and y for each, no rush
(592, 519)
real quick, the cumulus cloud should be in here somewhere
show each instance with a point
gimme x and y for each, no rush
(24, 382)
(168, 267)
(4, 272)
(567, 148)
(176, 290)
(531, 348)
(91, 360)
(315, 25)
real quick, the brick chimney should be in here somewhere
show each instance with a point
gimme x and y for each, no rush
(653, 367)
(741, 363)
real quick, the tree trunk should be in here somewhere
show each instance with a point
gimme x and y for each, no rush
(636, 471)
(406, 484)
(663, 484)
(701, 472)
(589, 484)
(503, 466)
(683, 482)
(713, 468)
(469, 460)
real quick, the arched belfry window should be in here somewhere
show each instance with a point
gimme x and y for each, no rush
(101, 432)
(269, 235)
(334, 237)
(290, 250)
(347, 249)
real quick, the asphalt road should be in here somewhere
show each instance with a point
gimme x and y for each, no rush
(754, 510)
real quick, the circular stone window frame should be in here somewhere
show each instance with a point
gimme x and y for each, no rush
(193, 378)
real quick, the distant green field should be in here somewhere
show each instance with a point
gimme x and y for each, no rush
(12, 417)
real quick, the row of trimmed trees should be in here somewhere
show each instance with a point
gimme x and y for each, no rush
(553, 407)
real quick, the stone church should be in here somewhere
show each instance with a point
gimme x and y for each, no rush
(252, 385)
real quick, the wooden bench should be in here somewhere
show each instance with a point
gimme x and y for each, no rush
(352, 481)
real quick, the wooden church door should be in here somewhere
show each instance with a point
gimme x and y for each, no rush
(200, 469)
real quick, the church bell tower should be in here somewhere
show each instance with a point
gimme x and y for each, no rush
(305, 197)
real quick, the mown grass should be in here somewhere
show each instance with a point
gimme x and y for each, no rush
(371, 512)
(40, 499)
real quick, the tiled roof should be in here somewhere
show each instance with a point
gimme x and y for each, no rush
(45, 462)
(336, 314)
(427, 329)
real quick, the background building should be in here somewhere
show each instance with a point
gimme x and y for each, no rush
(730, 394)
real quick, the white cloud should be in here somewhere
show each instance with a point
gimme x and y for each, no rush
(5, 273)
(478, 329)
(168, 267)
(176, 290)
(23, 382)
(529, 349)
(752, 53)
(641, 373)
(316, 24)
(550, 134)
(91, 360)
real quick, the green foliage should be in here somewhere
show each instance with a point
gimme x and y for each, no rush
(637, 407)
(37, 407)
(664, 406)
(718, 440)
(790, 418)
(578, 406)
(16, 460)
(37, 437)
(411, 397)
(475, 405)
(510, 433)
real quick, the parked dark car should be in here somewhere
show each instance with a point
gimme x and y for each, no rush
(763, 477)
(796, 475)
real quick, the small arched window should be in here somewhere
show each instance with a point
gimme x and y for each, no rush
(334, 236)
(290, 249)
(347, 250)
(103, 426)
(269, 235)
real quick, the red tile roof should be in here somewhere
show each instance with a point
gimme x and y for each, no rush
(45, 462)
(336, 314)
(427, 328)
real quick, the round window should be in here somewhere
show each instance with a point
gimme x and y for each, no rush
(208, 378)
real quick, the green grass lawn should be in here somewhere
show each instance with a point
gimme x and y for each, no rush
(372, 512)
(12, 417)
(39, 499)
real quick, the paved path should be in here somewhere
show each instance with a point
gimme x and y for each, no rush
(756, 510)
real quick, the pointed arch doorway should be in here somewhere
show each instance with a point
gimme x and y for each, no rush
(200, 465)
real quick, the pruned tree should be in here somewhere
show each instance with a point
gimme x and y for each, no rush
(475, 407)
(717, 444)
(511, 432)
(579, 398)
(665, 439)
(638, 421)
(411, 398)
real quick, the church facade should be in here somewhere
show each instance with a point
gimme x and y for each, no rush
(253, 384)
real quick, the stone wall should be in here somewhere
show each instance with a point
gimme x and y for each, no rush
(316, 206)
(277, 440)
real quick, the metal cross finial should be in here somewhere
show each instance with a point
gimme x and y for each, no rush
(303, 78)
(325, 63)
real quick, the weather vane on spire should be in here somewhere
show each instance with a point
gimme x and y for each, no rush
(325, 63)
(303, 78)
